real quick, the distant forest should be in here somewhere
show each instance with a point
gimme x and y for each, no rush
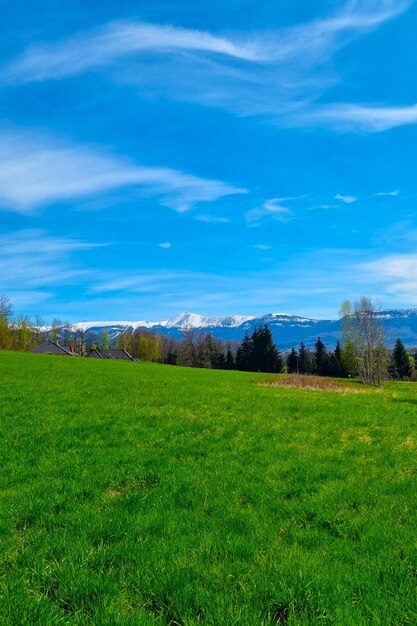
(255, 353)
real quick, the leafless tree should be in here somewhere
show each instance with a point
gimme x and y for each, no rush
(80, 340)
(6, 308)
(38, 328)
(364, 329)
(188, 349)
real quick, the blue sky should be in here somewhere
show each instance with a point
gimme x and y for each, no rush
(233, 157)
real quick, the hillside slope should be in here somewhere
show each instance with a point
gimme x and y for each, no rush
(146, 494)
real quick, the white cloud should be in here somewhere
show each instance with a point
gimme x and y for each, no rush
(31, 259)
(37, 170)
(271, 208)
(277, 73)
(323, 207)
(212, 219)
(354, 117)
(118, 40)
(393, 194)
(396, 274)
(345, 199)
(165, 245)
(395, 266)
(261, 246)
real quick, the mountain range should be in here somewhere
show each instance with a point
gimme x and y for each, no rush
(287, 330)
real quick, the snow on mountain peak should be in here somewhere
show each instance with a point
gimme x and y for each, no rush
(194, 320)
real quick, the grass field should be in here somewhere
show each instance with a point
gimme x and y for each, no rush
(139, 494)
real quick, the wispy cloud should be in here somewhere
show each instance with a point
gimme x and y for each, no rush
(261, 246)
(360, 118)
(39, 170)
(33, 259)
(213, 219)
(288, 283)
(122, 39)
(323, 207)
(396, 274)
(273, 208)
(393, 266)
(279, 73)
(33, 263)
(393, 194)
(345, 199)
(119, 40)
(166, 246)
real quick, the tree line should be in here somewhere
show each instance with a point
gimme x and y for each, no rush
(360, 353)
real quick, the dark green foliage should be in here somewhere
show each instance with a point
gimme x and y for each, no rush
(220, 362)
(171, 357)
(338, 353)
(320, 354)
(265, 356)
(230, 361)
(292, 362)
(243, 356)
(305, 360)
(401, 366)
(259, 353)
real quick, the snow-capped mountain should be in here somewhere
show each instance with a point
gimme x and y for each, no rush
(193, 320)
(287, 330)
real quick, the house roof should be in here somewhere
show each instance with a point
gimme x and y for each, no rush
(112, 353)
(51, 347)
(95, 354)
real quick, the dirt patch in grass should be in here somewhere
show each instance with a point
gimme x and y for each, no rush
(313, 383)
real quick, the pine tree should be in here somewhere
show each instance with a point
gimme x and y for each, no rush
(304, 360)
(292, 361)
(221, 362)
(338, 353)
(264, 356)
(230, 362)
(339, 368)
(319, 356)
(243, 356)
(403, 367)
(259, 353)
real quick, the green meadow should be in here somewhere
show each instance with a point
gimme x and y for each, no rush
(143, 494)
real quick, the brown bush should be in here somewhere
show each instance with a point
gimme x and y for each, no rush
(313, 383)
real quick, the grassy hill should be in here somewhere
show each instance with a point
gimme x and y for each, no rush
(146, 494)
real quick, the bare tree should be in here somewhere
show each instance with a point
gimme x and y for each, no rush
(6, 308)
(55, 328)
(38, 328)
(363, 328)
(187, 348)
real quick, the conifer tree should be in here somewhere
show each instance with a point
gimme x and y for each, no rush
(243, 356)
(304, 360)
(259, 353)
(338, 353)
(320, 353)
(230, 362)
(339, 369)
(264, 356)
(292, 361)
(401, 362)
